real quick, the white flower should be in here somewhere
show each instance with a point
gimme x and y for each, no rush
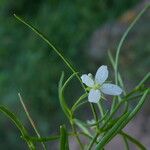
(90, 122)
(98, 85)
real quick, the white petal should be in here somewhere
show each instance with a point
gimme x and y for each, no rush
(111, 89)
(101, 74)
(87, 80)
(94, 96)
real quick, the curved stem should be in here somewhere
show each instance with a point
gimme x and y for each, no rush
(124, 37)
(43, 37)
(76, 104)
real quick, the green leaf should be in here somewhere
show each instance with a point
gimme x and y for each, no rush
(19, 126)
(108, 135)
(126, 98)
(122, 122)
(64, 145)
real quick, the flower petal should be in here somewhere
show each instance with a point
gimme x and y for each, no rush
(101, 74)
(87, 80)
(111, 89)
(94, 96)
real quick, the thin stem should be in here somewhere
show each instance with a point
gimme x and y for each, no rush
(93, 141)
(53, 47)
(120, 82)
(101, 109)
(147, 76)
(133, 140)
(55, 137)
(76, 135)
(113, 104)
(125, 99)
(79, 105)
(76, 104)
(123, 38)
(101, 120)
(95, 115)
(126, 142)
(30, 119)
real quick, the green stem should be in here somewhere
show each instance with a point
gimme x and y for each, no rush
(76, 135)
(125, 142)
(93, 141)
(133, 140)
(53, 47)
(101, 109)
(123, 38)
(55, 137)
(125, 99)
(113, 104)
(76, 104)
(95, 115)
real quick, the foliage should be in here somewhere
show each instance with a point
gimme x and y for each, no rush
(109, 125)
(27, 65)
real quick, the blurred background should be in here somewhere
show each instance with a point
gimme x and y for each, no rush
(83, 31)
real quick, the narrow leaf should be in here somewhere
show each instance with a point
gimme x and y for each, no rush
(108, 135)
(19, 125)
(122, 122)
(64, 145)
